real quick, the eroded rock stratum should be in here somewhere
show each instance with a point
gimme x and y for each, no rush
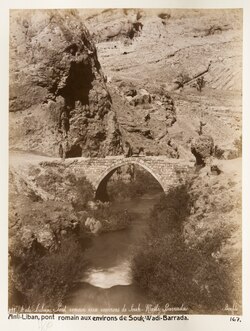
(58, 94)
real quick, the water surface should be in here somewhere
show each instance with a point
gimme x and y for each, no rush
(107, 283)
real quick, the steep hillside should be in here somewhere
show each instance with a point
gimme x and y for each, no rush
(166, 52)
(59, 102)
(193, 251)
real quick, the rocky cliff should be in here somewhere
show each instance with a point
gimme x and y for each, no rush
(59, 101)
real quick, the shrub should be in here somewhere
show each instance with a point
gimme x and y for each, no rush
(164, 268)
(213, 30)
(125, 11)
(218, 152)
(172, 271)
(171, 211)
(138, 15)
(164, 16)
(65, 186)
(111, 219)
(84, 193)
(45, 278)
(238, 145)
(142, 183)
(182, 79)
(200, 83)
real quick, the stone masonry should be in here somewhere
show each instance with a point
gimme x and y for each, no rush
(168, 172)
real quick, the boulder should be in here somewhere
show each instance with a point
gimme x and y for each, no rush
(93, 225)
(202, 148)
(27, 237)
(215, 170)
(143, 97)
(96, 228)
(46, 238)
(130, 92)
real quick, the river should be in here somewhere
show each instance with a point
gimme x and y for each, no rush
(107, 283)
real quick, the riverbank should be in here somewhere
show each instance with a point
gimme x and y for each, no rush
(193, 237)
(108, 280)
(193, 252)
(48, 210)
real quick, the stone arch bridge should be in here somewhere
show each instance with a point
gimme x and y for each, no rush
(168, 172)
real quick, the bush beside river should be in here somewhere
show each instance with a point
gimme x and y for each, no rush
(48, 209)
(192, 255)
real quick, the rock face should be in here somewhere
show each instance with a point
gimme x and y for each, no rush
(128, 26)
(44, 199)
(202, 148)
(42, 226)
(145, 118)
(216, 208)
(152, 60)
(58, 94)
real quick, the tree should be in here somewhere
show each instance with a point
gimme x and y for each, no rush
(200, 83)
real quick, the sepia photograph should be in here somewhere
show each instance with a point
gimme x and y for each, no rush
(125, 159)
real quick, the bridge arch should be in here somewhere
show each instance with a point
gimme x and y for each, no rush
(101, 182)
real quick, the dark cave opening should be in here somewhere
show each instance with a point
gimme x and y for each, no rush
(78, 85)
(74, 151)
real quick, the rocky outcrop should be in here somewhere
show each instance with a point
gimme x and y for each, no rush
(140, 98)
(126, 25)
(40, 227)
(118, 31)
(145, 118)
(58, 94)
(44, 200)
(59, 101)
(202, 148)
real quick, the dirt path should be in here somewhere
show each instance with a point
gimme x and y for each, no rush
(17, 158)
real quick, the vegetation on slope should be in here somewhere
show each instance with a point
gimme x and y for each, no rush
(192, 255)
(48, 210)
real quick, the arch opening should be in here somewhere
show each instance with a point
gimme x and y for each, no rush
(127, 180)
